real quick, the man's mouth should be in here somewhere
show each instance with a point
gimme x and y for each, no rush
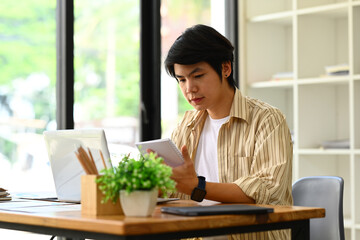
(196, 100)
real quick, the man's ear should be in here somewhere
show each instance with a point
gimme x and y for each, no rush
(226, 69)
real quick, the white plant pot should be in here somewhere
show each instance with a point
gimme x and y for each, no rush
(139, 203)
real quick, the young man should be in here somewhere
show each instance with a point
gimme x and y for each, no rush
(236, 149)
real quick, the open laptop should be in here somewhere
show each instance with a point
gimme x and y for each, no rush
(66, 169)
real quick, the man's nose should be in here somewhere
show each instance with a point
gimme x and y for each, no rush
(190, 86)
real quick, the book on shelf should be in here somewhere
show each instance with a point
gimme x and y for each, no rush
(282, 76)
(4, 195)
(336, 144)
(337, 70)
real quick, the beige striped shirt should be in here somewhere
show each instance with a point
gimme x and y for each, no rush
(254, 152)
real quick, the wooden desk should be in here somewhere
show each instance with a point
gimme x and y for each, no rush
(66, 220)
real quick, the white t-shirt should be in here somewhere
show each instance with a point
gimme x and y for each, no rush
(206, 162)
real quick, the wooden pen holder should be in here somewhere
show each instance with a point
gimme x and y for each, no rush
(91, 197)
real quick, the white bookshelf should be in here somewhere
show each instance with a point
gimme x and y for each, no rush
(303, 37)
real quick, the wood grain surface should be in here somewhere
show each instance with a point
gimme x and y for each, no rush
(69, 216)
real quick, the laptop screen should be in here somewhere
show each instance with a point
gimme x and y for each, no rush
(66, 169)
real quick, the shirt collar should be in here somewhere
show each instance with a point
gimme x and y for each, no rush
(198, 118)
(239, 109)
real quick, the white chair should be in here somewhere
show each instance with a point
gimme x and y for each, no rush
(325, 192)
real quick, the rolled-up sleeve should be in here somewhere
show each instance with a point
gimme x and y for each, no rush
(269, 177)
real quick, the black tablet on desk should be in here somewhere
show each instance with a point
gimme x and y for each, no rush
(217, 210)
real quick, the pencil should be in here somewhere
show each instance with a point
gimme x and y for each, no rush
(83, 163)
(93, 162)
(86, 158)
(102, 158)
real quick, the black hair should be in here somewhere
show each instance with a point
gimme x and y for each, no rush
(201, 43)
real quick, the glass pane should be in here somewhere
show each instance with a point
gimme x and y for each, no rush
(107, 70)
(173, 23)
(27, 93)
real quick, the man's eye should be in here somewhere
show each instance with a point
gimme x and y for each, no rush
(181, 80)
(199, 76)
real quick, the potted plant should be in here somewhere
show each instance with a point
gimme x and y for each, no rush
(137, 182)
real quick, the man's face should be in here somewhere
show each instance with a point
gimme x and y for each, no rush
(201, 85)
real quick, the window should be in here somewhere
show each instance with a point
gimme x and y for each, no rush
(106, 72)
(27, 92)
(106, 69)
(173, 23)
(106, 64)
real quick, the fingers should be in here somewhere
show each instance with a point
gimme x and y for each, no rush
(148, 150)
(185, 153)
(185, 175)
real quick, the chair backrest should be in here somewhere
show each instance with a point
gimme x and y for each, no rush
(325, 192)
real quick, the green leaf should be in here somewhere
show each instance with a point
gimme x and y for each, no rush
(146, 173)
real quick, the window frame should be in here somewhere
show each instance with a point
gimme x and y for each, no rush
(150, 63)
(65, 64)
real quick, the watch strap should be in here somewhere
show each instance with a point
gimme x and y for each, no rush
(199, 192)
(202, 182)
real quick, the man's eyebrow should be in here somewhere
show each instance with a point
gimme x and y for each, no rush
(192, 72)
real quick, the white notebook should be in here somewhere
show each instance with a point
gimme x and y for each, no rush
(165, 148)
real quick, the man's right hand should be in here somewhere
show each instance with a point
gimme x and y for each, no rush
(185, 175)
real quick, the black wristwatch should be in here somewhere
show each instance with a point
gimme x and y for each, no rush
(198, 194)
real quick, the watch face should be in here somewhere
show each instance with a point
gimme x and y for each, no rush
(198, 194)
